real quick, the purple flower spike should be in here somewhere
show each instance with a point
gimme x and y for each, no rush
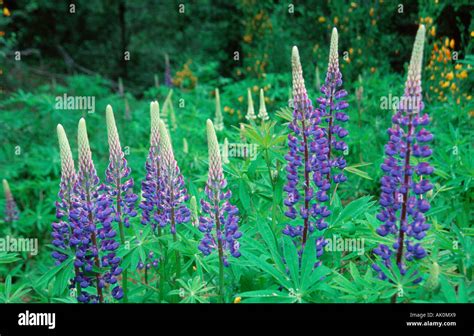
(331, 111)
(151, 204)
(11, 209)
(118, 185)
(61, 229)
(404, 184)
(219, 221)
(172, 189)
(92, 235)
(307, 164)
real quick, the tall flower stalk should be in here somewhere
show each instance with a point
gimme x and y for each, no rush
(61, 229)
(219, 221)
(119, 186)
(93, 236)
(262, 111)
(250, 109)
(218, 118)
(151, 203)
(331, 110)
(172, 189)
(405, 175)
(307, 184)
(11, 209)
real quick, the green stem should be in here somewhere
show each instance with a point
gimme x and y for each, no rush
(221, 253)
(178, 263)
(267, 161)
(122, 239)
(221, 278)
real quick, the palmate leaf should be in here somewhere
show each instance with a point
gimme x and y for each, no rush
(280, 277)
(316, 281)
(46, 278)
(7, 258)
(290, 254)
(64, 277)
(271, 242)
(8, 296)
(353, 210)
(307, 262)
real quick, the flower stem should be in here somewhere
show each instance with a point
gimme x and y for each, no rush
(403, 217)
(306, 182)
(96, 258)
(122, 238)
(220, 251)
(178, 261)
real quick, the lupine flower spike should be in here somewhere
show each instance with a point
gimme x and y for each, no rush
(61, 230)
(173, 191)
(307, 186)
(119, 186)
(331, 108)
(262, 111)
(219, 221)
(250, 109)
(218, 118)
(92, 231)
(404, 183)
(151, 204)
(219, 215)
(11, 209)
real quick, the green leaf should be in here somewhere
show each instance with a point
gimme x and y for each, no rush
(270, 240)
(244, 194)
(307, 261)
(447, 290)
(265, 266)
(291, 258)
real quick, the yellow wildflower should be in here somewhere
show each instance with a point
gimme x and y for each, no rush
(451, 44)
(462, 74)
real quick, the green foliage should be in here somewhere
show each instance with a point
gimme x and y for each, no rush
(269, 269)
